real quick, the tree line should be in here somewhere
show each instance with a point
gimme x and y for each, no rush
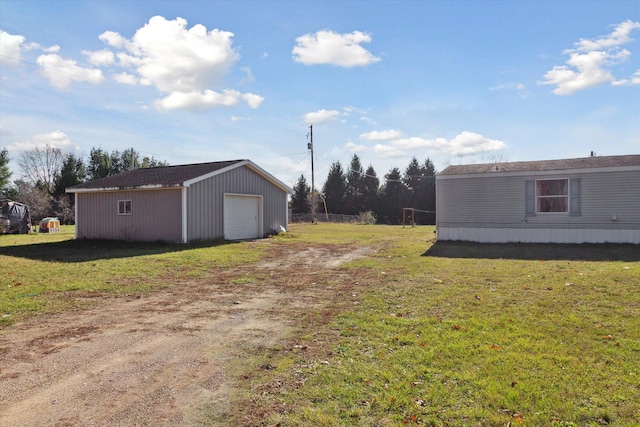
(358, 191)
(47, 172)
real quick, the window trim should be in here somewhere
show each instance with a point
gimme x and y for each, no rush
(122, 207)
(567, 196)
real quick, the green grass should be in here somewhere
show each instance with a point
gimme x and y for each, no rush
(38, 272)
(449, 334)
(481, 335)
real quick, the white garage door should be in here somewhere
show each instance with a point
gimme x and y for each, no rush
(241, 217)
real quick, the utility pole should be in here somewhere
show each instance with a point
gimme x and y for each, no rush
(313, 183)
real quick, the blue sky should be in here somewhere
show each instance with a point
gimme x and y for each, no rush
(195, 81)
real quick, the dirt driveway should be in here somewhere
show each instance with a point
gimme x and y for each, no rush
(172, 357)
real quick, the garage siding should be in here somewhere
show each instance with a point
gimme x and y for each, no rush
(205, 202)
(155, 215)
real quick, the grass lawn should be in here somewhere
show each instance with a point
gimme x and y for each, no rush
(462, 334)
(38, 272)
(446, 334)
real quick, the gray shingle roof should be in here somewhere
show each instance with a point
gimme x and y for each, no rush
(546, 165)
(165, 176)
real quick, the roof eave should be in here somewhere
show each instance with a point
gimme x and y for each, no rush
(124, 188)
(539, 172)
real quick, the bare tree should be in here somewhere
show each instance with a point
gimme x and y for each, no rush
(41, 164)
(36, 197)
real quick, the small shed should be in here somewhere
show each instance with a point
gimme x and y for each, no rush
(49, 225)
(234, 200)
(583, 200)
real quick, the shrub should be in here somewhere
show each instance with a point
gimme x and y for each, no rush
(367, 217)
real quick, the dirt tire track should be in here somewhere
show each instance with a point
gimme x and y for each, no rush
(161, 359)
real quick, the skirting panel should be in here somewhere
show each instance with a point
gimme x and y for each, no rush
(541, 235)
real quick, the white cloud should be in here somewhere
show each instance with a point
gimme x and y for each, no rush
(36, 46)
(55, 139)
(10, 49)
(177, 59)
(195, 101)
(61, 72)
(321, 116)
(590, 72)
(388, 151)
(634, 80)
(253, 100)
(384, 135)
(188, 64)
(51, 49)
(328, 47)
(472, 143)
(100, 57)
(590, 62)
(125, 79)
(356, 148)
(618, 37)
(113, 39)
(368, 120)
(417, 142)
(249, 77)
(466, 143)
(125, 60)
(519, 88)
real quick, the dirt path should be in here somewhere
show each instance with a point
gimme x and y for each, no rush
(163, 359)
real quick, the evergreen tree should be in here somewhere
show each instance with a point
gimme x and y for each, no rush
(102, 164)
(412, 180)
(99, 164)
(392, 198)
(429, 172)
(421, 189)
(129, 160)
(115, 163)
(300, 201)
(370, 189)
(152, 162)
(71, 173)
(335, 189)
(354, 202)
(5, 172)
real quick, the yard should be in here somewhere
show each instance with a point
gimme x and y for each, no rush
(328, 325)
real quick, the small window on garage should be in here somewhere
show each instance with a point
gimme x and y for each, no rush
(124, 207)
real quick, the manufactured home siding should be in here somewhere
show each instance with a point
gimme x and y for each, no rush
(205, 202)
(472, 201)
(609, 207)
(155, 215)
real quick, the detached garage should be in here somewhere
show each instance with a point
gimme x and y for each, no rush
(235, 200)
